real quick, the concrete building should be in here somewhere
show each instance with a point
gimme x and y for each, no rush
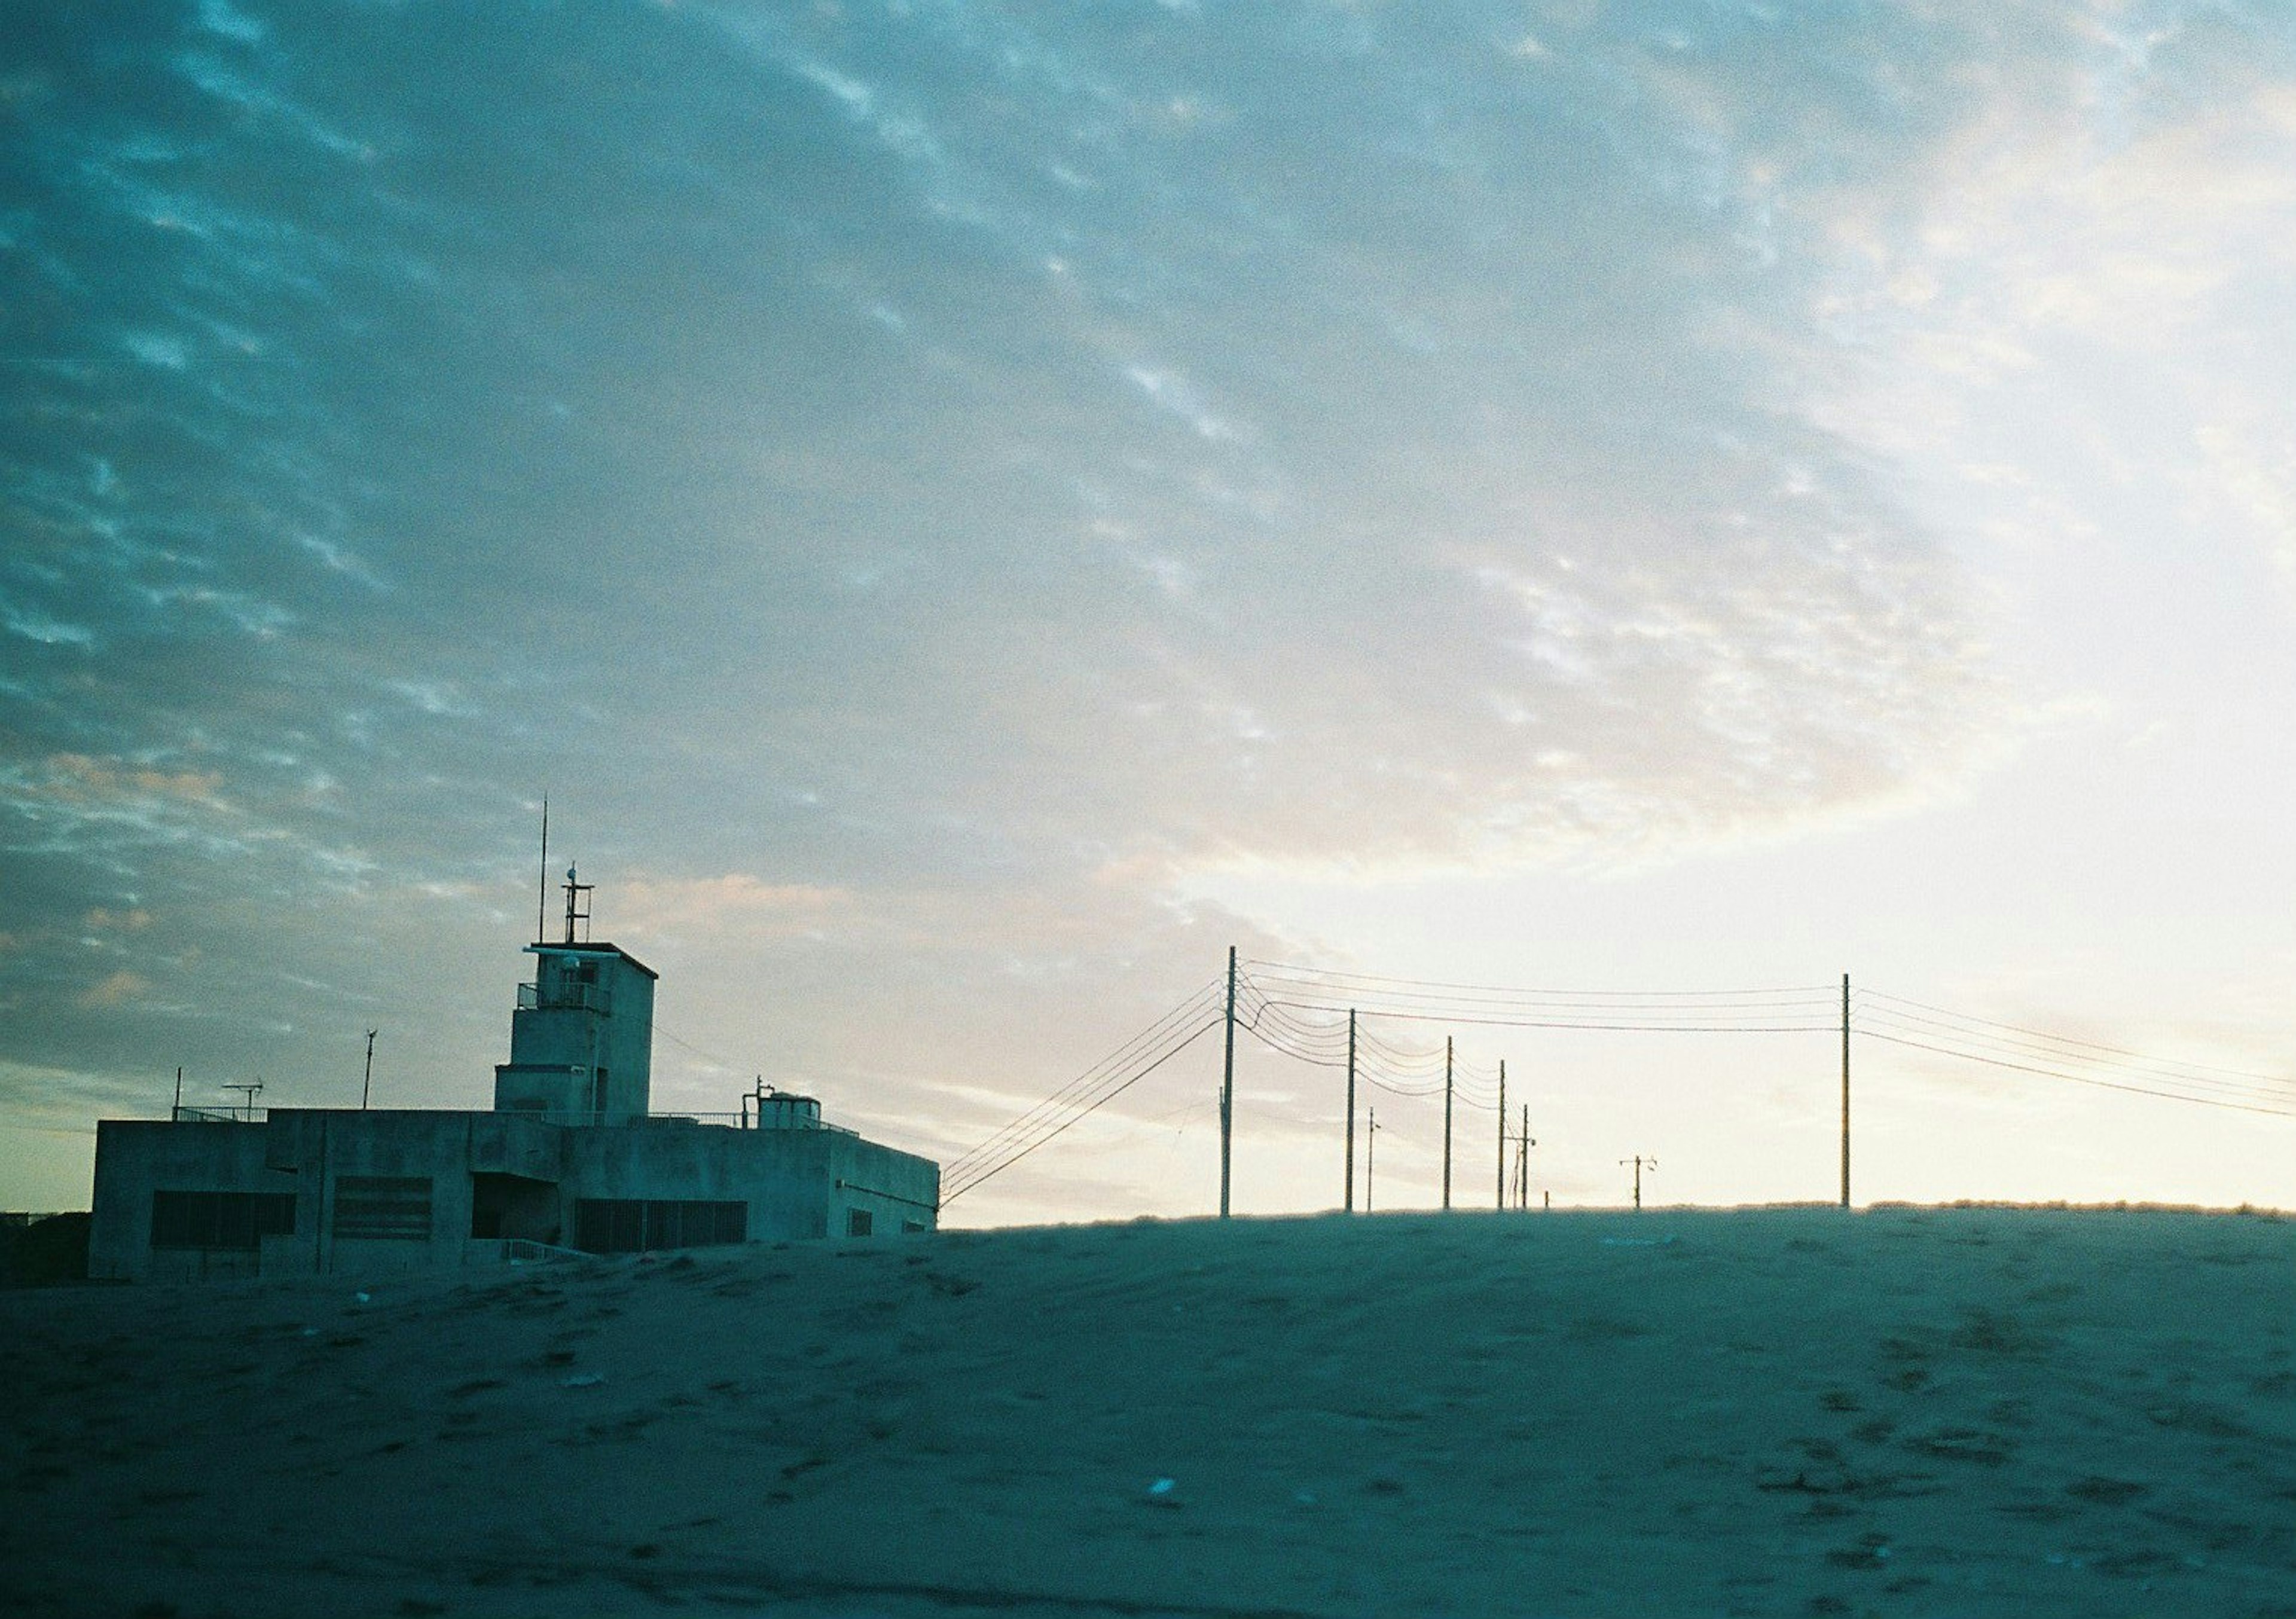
(570, 1158)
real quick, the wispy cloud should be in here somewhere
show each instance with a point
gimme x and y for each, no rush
(960, 482)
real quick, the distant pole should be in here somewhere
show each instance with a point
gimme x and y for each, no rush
(1371, 1155)
(1845, 1090)
(1227, 1086)
(1446, 1121)
(175, 1110)
(1640, 1163)
(1350, 1205)
(1503, 1135)
(542, 892)
(1522, 1160)
(367, 1086)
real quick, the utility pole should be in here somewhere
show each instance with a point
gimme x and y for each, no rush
(1227, 1086)
(1446, 1121)
(1845, 1090)
(176, 1111)
(1522, 1161)
(1502, 1135)
(1371, 1155)
(1352, 1110)
(1640, 1165)
(367, 1084)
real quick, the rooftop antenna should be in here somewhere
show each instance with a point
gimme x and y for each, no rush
(578, 909)
(542, 889)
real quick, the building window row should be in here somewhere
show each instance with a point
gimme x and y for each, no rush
(643, 1225)
(383, 1206)
(220, 1220)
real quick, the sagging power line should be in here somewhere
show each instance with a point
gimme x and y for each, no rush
(1324, 1018)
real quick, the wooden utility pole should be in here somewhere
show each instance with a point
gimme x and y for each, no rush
(176, 1111)
(367, 1086)
(1352, 1110)
(1227, 1086)
(1502, 1135)
(1640, 1163)
(1371, 1155)
(1446, 1121)
(1845, 1090)
(1523, 1144)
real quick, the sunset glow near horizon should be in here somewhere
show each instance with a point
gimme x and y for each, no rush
(971, 511)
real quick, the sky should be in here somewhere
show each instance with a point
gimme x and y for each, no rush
(968, 511)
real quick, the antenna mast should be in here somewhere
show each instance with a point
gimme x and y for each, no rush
(542, 890)
(578, 909)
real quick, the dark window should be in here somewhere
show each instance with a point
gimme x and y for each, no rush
(220, 1220)
(649, 1226)
(383, 1206)
(859, 1222)
(909, 1228)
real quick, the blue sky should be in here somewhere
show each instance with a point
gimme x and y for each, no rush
(969, 511)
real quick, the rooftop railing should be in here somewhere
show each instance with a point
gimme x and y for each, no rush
(549, 997)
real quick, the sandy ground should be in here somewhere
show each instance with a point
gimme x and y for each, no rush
(1956, 1411)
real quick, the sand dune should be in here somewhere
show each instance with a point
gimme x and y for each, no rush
(1796, 1411)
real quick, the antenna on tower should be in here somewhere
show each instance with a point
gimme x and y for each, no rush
(542, 890)
(578, 908)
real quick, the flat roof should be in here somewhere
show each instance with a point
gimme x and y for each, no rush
(587, 948)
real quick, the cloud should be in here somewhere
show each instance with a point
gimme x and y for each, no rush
(1433, 445)
(122, 988)
(733, 903)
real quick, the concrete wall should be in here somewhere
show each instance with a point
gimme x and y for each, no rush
(628, 1046)
(898, 1190)
(333, 1149)
(797, 1183)
(577, 1028)
(136, 1158)
(551, 1093)
(784, 1176)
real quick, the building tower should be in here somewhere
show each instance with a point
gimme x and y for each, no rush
(581, 1040)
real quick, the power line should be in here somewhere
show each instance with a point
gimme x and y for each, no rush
(2014, 1036)
(1042, 1122)
(2078, 1079)
(999, 1167)
(1321, 1017)
(2013, 1049)
(1083, 1083)
(1640, 1027)
(1689, 1011)
(1101, 1083)
(1300, 1039)
(1518, 992)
